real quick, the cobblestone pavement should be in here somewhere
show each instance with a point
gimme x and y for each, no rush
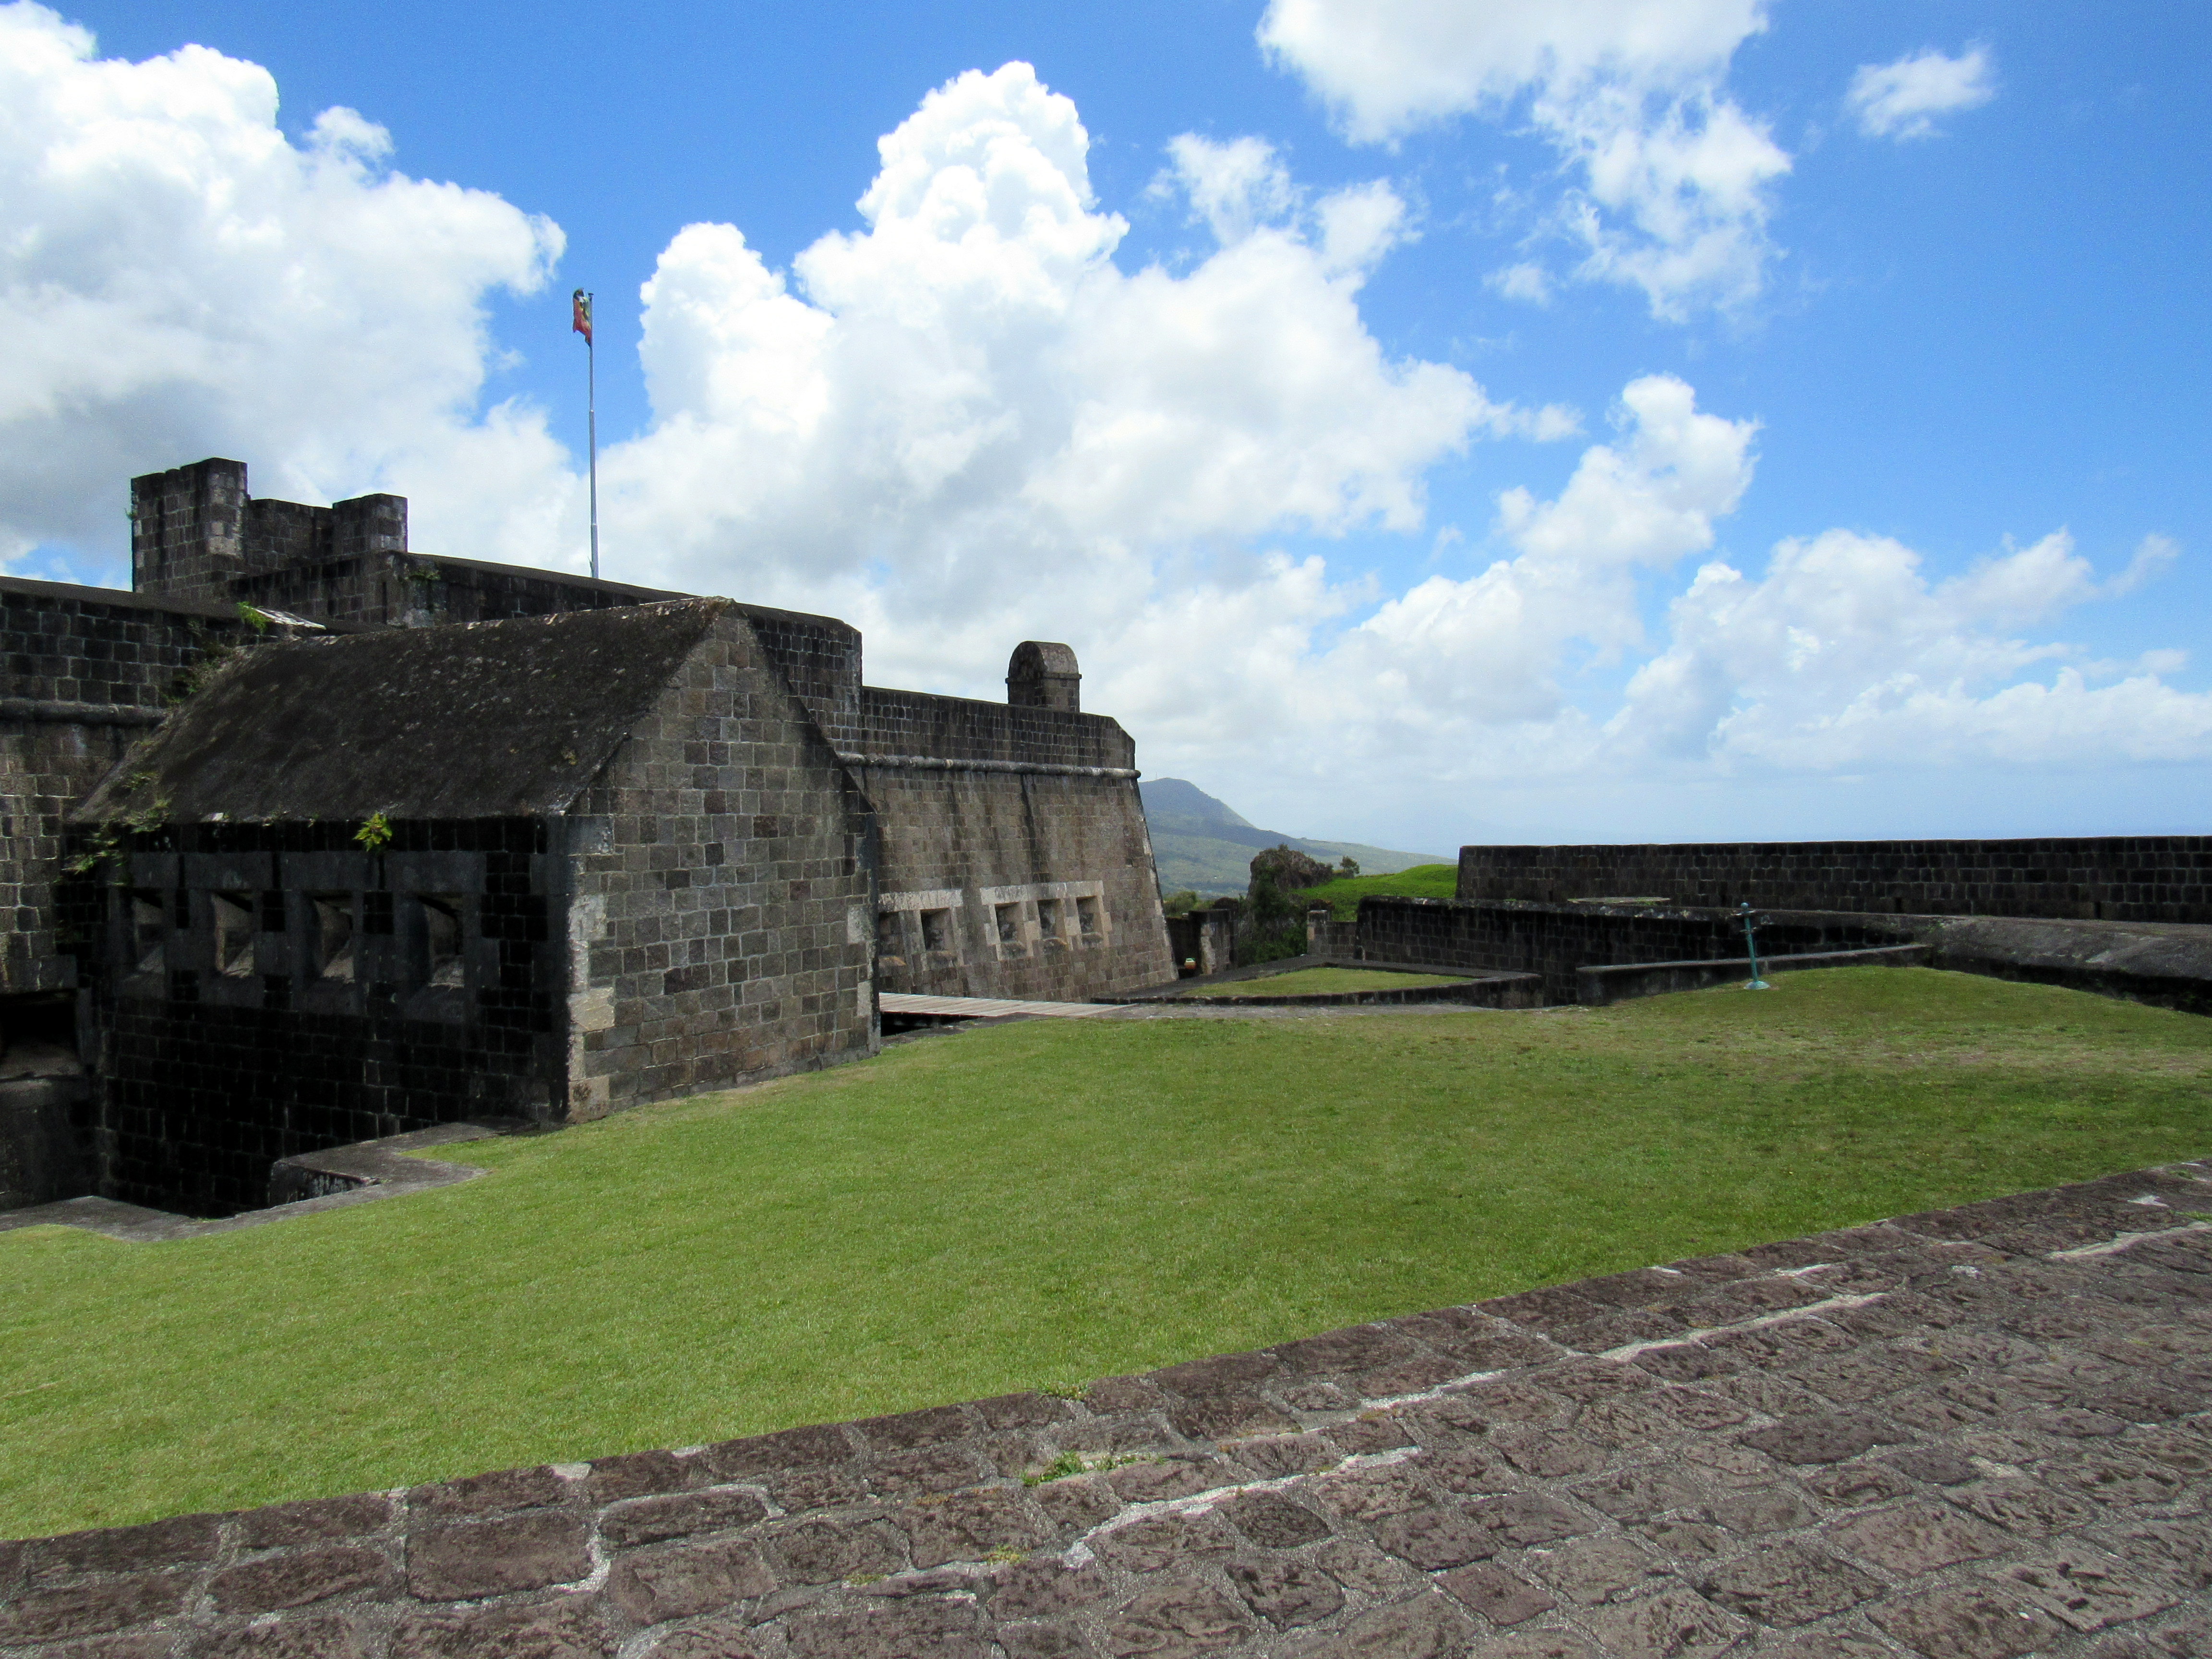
(1977, 1433)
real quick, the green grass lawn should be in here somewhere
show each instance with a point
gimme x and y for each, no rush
(1422, 881)
(1031, 1205)
(1309, 981)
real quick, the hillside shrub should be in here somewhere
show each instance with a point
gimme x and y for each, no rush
(1275, 911)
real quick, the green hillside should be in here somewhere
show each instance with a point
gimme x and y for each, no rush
(1422, 881)
(1201, 845)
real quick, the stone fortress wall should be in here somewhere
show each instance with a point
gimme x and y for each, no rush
(680, 904)
(2120, 915)
(218, 1045)
(1555, 941)
(88, 672)
(972, 793)
(999, 850)
(2163, 878)
(719, 892)
(1016, 859)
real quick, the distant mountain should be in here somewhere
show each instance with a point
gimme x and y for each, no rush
(1202, 844)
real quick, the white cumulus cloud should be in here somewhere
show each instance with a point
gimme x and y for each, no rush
(968, 414)
(964, 424)
(1467, 672)
(1845, 654)
(180, 279)
(1676, 177)
(1901, 99)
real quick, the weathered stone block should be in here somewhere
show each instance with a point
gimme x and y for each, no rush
(1786, 1584)
(650, 1520)
(1502, 1599)
(1674, 1624)
(283, 1526)
(1914, 1537)
(1523, 1519)
(1286, 1593)
(1427, 1626)
(1969, 1623)
(944, 1630)
(822, 1551)
(293, 1580)
(530, 1551)
(970, 1525)
(1179, 1614)
(325, 1635)
(1822, 1439)
(49, 1615)
(187, 1538)
(1271, 1520)
(682, 1581)
(1433, 1539)
(1159, 1543)
(569, 1628)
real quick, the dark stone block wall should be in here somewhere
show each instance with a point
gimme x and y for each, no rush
(65, 644)
(41, 1149)
(1026, 873)
(46, 767)
(1030, 853)
(195, 532)
(720, 927)
(392, 588)
(87, 672)
(227, 1037)
(1554, 940)
(2108, 877)
(820, 658)
(921, 723)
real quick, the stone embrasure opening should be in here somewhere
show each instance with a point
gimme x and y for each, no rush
(234, 933)
(334, 936)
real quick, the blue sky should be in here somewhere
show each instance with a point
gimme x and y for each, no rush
(1945, 344)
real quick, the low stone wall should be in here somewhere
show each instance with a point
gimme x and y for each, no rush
(89, 671)
(1555, 941)
(1488, 991)
(1972, 1433)
(1327, 937)
(1600, 986)
(2112, 878)
(308, 1184)
(1655, 948)
(1205, 936)
(2168, 967)
(41, 1152)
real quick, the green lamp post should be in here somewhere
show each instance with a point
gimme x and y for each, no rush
(1751, 944)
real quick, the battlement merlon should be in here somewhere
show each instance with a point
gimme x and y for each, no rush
(196, 530)
(198, 536)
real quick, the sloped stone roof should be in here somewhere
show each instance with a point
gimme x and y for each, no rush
(484, 719)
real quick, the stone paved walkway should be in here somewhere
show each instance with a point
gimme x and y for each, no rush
(913, 1002)
(1978, 1433)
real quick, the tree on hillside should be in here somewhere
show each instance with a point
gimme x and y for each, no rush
(1290, 870)
(1276, 904)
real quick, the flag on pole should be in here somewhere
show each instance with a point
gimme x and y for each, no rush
(582, 323)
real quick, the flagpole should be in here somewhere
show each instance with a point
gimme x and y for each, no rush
(592, 420)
